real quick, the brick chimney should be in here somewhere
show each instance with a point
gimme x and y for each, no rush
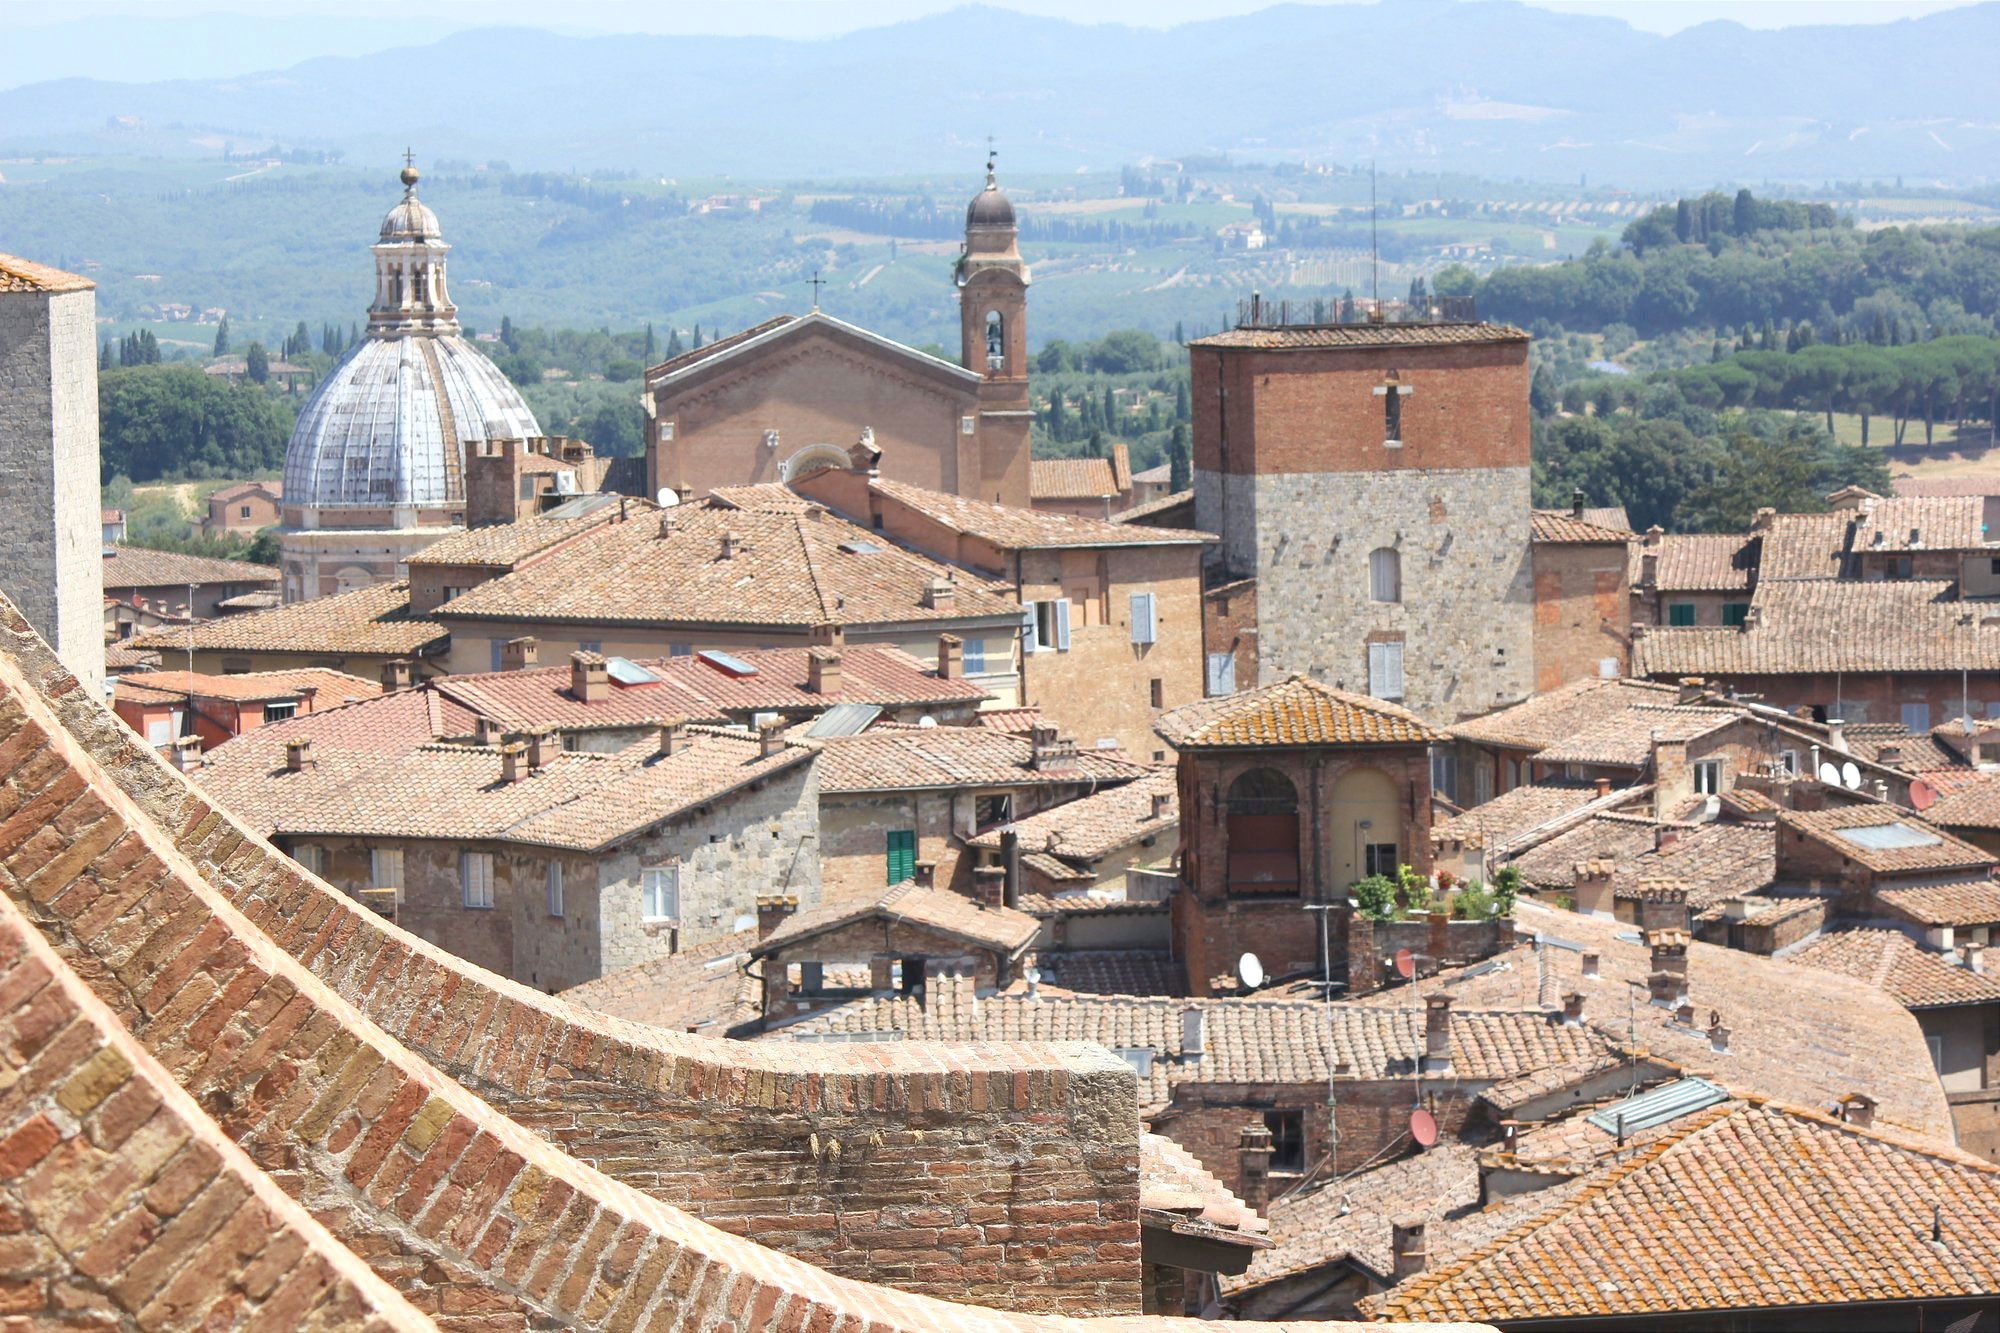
(1573, 1009)
(732, 544)
(1161, 801)
(1692, 688)
(1590, 962)
(396, 675)
(924, 874)
(1857, 1109)
(673, 739)
(1666, 981)
(826, 634)
(770, 739)
(951, 657)
(1663, 907)
(822, 671)
(939, 595)
(543, 746)
(1437, 1034)
(1253, 1167)
(1718, 1035)
(1603, 787)
(513, 762)
(1049, 752)
(1761, 520)
(298, 754)
(1412, 1248)
(1576, 503)
(1890, 754)
(519, 654)
(186, 756)
(773, 910)
(589, 678)
(1592, 887)
(667, 522)
(486, 730)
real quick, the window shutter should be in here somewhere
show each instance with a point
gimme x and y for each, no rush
(1062, 625)
(493, 645)
(1394, 657)
(902, 855)
(975, 657)
(1031, 638)
(1144, 628)
(1385, 670)
(555, 888)
(1221, 674)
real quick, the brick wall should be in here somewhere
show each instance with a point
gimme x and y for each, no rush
(1583, 612)
(1869, 697)
(1229, 615)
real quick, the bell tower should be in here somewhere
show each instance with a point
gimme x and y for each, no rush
(993, 318)
(410, 294)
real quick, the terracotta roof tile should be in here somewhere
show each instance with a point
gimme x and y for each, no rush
(1112, 971)
(1625, 739)
(704, 989)
(1947, 486)
(907, 758)
(1027, 529)
(1972, 804)
(1891, 744)
(1601, 837)
(1712, 863)
(328, 686)
(1920, 523)
(1916, 846)
(1514, 814)
(1305, 337)
(1701, 562)
(1155, 506)
(1177, 1190)
(1917, 977)
(1804, 546)
(1548, 718)
(1092, 827)
(769, 497)
(940, 910)
(1296, 711)
(1072, 479)
(1970, 902)
(25, 275)
(503, 545)
(1558, 526)
(370, 622)
(1823, 626)
(707, 350)
(140, 567)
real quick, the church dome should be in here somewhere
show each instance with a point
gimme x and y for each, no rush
(410, 219)
(392, 425)
(989, 208)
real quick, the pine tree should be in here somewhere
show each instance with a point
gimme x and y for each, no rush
(1110, 406)
(222, 337)
(302, 341)
(507, 338)
(1096, 445)
(257, 364)
(1058, 417)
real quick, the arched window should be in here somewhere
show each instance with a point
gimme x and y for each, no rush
(1385, 574)
(1263, 833)
(996, 341)
(812, 458)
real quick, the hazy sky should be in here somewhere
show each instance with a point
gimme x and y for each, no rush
(821, 17)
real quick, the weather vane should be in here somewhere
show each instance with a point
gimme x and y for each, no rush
(991, 153)
(817, 283)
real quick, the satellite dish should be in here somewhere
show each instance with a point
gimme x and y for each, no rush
(745, 922)
(1250, 971)
(927, 721)
(1829, 773)
(667, 497)
(1406, 964)
(1423, 1127)
(1850, 776)
(1922, 794)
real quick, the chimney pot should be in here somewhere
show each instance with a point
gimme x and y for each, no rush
(1590, 963)
(519, 654)
(1573, 1009)
(939, 595)
(1412, 1249)
(770, 739)
(823, 671)
(543, 746)
(673, 739)
(1718, 1037)
(1858, 1109)
(826, 634)
(666, 522)
(396, 675)
(1160, 802)
(513, 762)
(1603, 787)
(951, 657)
(1576, 503)
(186, 754)
(925, 874)
(1253, 1159)
(1437, 1033)
(298, 754)
(486, 731)
(732, 542)
(589, 678)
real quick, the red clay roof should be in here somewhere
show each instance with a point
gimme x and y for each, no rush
(1306, 337)
(1298, 711)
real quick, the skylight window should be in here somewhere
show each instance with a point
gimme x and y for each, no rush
(1888, 837)
(625, 671)
(729, 664)
(861, 548)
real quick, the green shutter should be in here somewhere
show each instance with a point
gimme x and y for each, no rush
(1735, 614)
(902, 855)
(1680, 613)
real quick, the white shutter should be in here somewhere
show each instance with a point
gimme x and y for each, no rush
(1385, 670)
(555, 888)
(475, 874)
(1062, 625)
(385, 867)
(1394, 659)
(1144, 626)
(1221, 674)
(1031, 637)
(660, 893)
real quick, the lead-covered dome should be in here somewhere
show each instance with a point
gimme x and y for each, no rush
(990, 207)
(391, 426)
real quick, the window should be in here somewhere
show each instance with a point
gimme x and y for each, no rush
(1157, 692)
(493, 654)
(1995, 565)
(1288, 1140)
(280, 711)
(680, 650)
(1680, 614)
(1708, 777)
(1482, 785)
(1607, 668)
(1221, 674)
(1263, 833)
(902, 854)
(555, 888)
(990, 810)
(1392, 415)
(311, 859)
(590, 645)
(975, 657)
(1735, 614)
(1788, 762)
(385, 868)
(1385, 670)
(1916, 718)
(1444, 773)
(1145, 618)
(1385, 575)
(1045, 626)
(159, 731)
(243, 511)
(1897, 567)
(660, 893)
(1379, 858)
(966, 425)
(475, 879)
(1937, 1052)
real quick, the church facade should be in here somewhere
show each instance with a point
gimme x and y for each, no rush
(801, 392)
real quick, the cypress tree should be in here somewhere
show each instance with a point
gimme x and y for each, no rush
(257, 364)
(222, 337)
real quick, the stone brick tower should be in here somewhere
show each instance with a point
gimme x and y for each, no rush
(993, 323)
(51, 552)
(1373, 479)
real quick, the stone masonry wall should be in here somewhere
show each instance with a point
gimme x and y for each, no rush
(1466, 615)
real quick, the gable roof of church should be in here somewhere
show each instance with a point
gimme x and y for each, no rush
(784, 327)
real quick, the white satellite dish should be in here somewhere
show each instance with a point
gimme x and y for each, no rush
(1829, 774)
(1250, 971)
(1850, 776)
(927, 721)
(667, 497)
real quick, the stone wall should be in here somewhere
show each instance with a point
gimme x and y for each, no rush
(51, 549)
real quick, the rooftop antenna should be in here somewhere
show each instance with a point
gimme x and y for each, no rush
(1374, 251)
(816, 283)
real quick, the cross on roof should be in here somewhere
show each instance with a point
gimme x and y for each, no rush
(817, 283)
(991, 153)
(409, 157)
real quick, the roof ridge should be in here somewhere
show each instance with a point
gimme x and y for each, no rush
(811, 559)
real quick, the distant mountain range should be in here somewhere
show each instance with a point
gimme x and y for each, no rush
(1485, 86)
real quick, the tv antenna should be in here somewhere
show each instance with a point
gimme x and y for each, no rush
(1374, 250)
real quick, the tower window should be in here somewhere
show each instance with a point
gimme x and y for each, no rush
(1392, 415)
(996, 341)
(1385, 574)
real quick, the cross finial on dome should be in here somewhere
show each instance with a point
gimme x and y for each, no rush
(409, 174)
(991, 153)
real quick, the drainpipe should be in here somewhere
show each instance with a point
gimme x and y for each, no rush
(1010, 859)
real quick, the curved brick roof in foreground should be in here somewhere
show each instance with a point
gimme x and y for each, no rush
(324, 1042)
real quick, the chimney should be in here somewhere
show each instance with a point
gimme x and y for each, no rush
(1603, 787)
(822, 671)
(186, 755)
(673, 739)
(486, 731)
(518, 654)
(1836, 733)
(1253, 1161)
(773, 910)
(732, 542)
(1510, 1135)
(1684, 1013)
(1691, 691)
(1590, 963)
(298, 754)
(1973, 956)
(939, 595)
(1437, 1034)
(513, 762)
(1663, 908)
(826, 634)
(1573, 1009)
(543, 746)
(951, 657)
(1191, 1032)
(1160, 802)
(1761, 521)
(1890, 754)
(1649, 569)
(1666, 983)
(1049, 752)
(396, 675)
(1412, 1250)
(666, 522)
(770, 739)
(1576, 503)
(1718, 1036)
(1010, 861)
(589, 678)
(1857, 1109)
(924, 874)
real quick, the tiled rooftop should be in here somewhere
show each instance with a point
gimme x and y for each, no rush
(1092, 827)
(1177, 1190)
(1071, 479)
(1625, 739)
(327, 686)
(939, 910)
(1973, 804)
(1311, 336)
(1823, 626)
(790, 569)
(140, 567)
(1794, 1032)
(702, 989)
(909, 758)
(1920, 523)
(1154, 506)
(1551, 864)
(769, 497)
(1513, 814)
(1712, 862)
(1891, 960)
(1701, 562)
(1295, 711)
(1803, 546)
(1968, 902)
(1559, 526)
(503, 545)
(1111, 971)
(372, 622)
(1560, 713)
(1884, 839)
(1920, 753)
(1011, 528)
(1746, 1205)
(25, 275)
